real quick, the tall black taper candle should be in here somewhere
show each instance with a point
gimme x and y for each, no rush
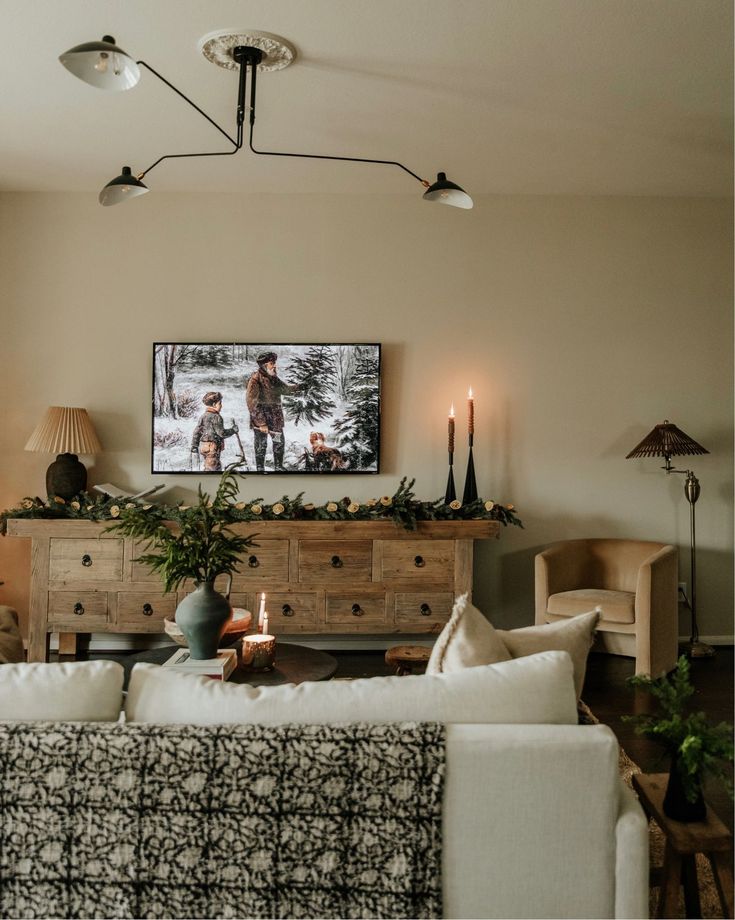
(470, 485)
(451, 493)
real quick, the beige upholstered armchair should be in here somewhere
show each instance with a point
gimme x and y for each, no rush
(633, 582)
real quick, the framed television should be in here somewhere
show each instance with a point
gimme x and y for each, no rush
(266, 408)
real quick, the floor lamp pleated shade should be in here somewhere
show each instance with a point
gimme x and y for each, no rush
(66, 431)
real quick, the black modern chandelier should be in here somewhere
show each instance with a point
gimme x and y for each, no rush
(106, 66)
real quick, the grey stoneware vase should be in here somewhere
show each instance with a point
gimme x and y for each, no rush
(202, 617)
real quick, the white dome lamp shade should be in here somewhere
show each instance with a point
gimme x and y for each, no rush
(102, 64)
(122, 188)
(446, 192)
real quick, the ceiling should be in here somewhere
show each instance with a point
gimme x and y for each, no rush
(610, 97)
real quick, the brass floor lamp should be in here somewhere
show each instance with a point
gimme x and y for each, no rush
(668, 441)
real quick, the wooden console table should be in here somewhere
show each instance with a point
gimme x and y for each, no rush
(321, 577)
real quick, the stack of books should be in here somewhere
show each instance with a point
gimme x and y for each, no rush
(218, 668)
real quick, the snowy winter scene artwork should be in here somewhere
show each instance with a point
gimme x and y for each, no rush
(266, 408)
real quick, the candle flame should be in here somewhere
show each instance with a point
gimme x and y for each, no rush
(262, 596)
(469, 395)
(451, 411)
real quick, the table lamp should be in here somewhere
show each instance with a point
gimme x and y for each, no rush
(67, 432)
(667, 441)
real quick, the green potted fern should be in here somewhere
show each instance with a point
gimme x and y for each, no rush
(193, 543)
(696, 746)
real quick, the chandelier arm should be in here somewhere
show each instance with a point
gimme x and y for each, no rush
(186, 99)
(314, 156)
(321, 156)
(176, 156)
(219, 153)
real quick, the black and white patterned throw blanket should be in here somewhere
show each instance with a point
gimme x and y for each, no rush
(108, 820)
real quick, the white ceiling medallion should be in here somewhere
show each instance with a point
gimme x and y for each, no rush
(217, 48)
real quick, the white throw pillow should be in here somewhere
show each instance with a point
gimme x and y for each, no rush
(538, 689)
(467, 640)
(573, 634)
(79, 691)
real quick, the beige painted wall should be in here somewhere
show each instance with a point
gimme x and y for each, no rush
(579, 322)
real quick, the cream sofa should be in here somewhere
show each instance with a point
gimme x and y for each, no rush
(536, 821)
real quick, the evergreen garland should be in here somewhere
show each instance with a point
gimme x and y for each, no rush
(403, 508)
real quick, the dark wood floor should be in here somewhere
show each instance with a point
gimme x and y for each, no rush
(607, 695)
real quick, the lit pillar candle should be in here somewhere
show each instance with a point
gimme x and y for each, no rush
(470, 412)
(451, 429)
(265, 623)
(259, 652)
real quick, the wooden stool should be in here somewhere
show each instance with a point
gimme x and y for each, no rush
(408, 659)
(683, 840)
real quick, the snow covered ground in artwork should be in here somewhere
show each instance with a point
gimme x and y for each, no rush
(174, 435)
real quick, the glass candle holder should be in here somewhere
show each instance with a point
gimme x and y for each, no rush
(259, 652)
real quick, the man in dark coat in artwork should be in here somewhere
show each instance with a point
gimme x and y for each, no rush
(263, 396)
(210, 433)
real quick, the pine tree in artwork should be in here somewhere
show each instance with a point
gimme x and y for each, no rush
(358, 429)
(316, 374)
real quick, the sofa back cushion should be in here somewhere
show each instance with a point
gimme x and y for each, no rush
(79, 691)
(536, 689)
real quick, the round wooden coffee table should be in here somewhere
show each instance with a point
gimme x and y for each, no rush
(294, 665)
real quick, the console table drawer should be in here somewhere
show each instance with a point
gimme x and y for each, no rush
(289, 610)
(418, 560)
(424, 608)
(77, 611)
(85, 560)
(144, 610)
(345, 561)
(355, 608)
(266, 562)
(140, 572)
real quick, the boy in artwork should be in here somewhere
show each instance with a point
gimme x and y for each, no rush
(210, 433)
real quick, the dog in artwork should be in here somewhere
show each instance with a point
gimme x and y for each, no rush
(325, 457)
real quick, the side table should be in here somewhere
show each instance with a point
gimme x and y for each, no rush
(683, 841)
(408, 659)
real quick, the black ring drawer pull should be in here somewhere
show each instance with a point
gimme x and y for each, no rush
(79, 608)
(337, 562)
(86, 560)
(288, 611)
(425, 610)
(253, 562)
(147, 610)
(419, 562)
(357, 611)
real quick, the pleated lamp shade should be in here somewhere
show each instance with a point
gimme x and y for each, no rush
(666, 440)
(65, 430)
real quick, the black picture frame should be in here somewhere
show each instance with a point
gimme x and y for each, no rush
(337, 396)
